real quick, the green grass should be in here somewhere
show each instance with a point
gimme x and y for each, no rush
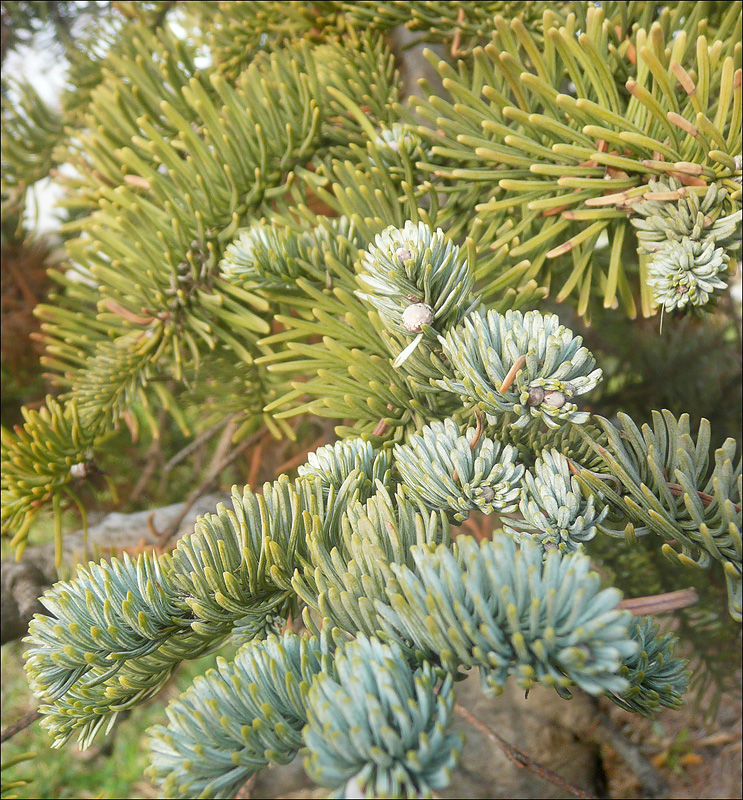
(69, 772)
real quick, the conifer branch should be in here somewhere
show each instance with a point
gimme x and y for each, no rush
(649, 462)
(606, 136)
(257, 217)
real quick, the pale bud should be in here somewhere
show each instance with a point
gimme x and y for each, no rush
(79, 470)
(536, 395)
(415, 316)
(554, 399)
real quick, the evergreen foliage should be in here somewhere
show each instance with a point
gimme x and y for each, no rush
(683, 240)
(568, 161)
(456, 473)
(653, 680)
(667, 489)
(415, 270)
(261, 222)
(9, 785)
(511, 613)
(553, 508)
(521, 369)
(40, 464)
(397, 746)
(30, 130)
(203, 752)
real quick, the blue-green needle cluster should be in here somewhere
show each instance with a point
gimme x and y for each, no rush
(453, 473)
(554, 510)
(522, 370)
(378, 728)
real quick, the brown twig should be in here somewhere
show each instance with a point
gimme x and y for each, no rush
(301, 457)
(678, 491)
(153, 459)
(219, 462)
(475, 439)
(22, 724)
(576, 468)
(519, 758)
(606, 732)
(458, 34)
(479, 525)
(197, 442)
(659, 603)
(28, 295)
(511, 375)
(125, 313)
(161, 14)
(478, 430)
(245, 791)
(255, 461)
(151, 526)
(381, 426)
